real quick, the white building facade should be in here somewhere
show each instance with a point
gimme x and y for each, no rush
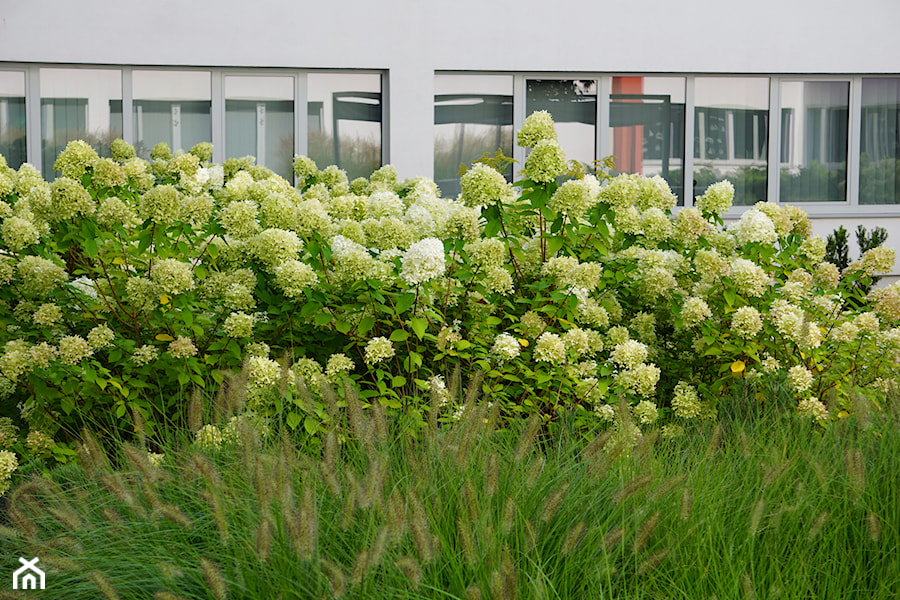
(794, 102)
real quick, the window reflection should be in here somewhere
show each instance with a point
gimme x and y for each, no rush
(171, 107)
(879, 176)
(12, 117)
(814, 141)
(646, 117)
(573, 105)
(259, 120)
(473, 115)
(344, 120)
(731, 128)
(79, 104)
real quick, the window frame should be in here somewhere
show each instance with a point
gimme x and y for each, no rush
(217, 103)
(849, 207)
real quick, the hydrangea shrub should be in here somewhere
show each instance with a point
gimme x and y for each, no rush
(126, 284)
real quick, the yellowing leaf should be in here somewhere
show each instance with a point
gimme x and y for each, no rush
(843, 414)
(115, 383)
(164, 299)
(164, 337)
(523, 342)
(118, 260)
(738, 366)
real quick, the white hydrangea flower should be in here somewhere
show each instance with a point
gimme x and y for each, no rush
(755, 226)
(645, 412)
(505, 347)
(550, 348)
(800, 378)
(379, 349)
(629, 354)
(813, 408)
(423, 260)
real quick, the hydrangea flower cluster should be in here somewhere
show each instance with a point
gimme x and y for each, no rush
(506, 347)
(423, 261)
(8, 464)
(378, 349)
(596, 284)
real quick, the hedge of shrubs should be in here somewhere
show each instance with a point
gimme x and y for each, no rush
(128, 286)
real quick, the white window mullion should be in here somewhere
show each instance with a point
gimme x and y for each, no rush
(217, 115)
(4, 115)
(127, 107)
(687, 172)
(33, 116)
(774, 166)
(519, 91)
(854, 133)
(261, 133)
(604, 89)
(301, 114)
(175, 119)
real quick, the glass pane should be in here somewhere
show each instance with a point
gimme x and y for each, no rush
(473, 114)
(344, 112)
(12, 117)
(814, 141)
(259, 121)
(573, 104)
(79, 104)
(171, 107)
(879, 161)
(646, 118)
(731, 130)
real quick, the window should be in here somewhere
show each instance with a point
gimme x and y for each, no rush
(473, 115)
(879, 168)
(731, 131)
(646, 119)
(79, 104)
(171, 107)
(814, 141)
(12, 118)
(259, 120)
(344, 119)
(573, 104)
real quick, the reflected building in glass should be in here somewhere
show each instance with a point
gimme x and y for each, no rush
(78, 104)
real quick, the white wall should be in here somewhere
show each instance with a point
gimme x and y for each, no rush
(413, 38)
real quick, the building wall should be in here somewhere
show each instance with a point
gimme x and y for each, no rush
(412, 39)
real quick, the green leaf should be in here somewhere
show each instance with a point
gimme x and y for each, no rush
(310, 425)
(730, 297)
(67, 403)
(418, 325)
(491, 228)
(310, 308)
(366, 324)
(405, 302)
(343, 326)
(322, 318)
(390, 402)
(398, 381)
(399, 335)
(90, 247)
(293, 419)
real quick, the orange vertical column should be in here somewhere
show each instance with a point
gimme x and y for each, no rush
(628, 141)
